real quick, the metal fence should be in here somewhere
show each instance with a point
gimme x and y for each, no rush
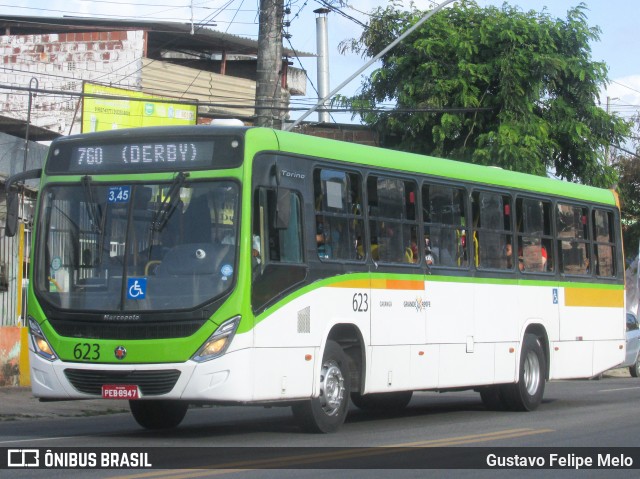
(10, 277)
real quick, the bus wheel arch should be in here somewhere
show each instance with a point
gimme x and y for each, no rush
(350, 339)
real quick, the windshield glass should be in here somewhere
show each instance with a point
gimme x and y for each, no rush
(154, 246)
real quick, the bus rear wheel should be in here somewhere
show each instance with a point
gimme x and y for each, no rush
(161, 414)
(526, 394)
(388, 402)
(327, 412)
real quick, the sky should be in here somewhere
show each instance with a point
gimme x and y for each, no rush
(618, 47)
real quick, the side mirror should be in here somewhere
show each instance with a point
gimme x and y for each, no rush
(11, 226)
(13, 203)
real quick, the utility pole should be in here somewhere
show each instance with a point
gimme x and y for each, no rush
(269, 68)
(322, 47)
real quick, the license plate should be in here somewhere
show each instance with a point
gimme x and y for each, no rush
(120, 391)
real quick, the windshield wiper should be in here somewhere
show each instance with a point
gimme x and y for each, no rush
(168, 205)
(93, 210)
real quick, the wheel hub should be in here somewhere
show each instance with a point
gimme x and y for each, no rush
(332, 390)
(532, 373)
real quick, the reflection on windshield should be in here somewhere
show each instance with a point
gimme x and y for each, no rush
(136, 247)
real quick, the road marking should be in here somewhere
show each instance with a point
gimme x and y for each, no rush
(618, 389)
(45, 439)
(303, 459)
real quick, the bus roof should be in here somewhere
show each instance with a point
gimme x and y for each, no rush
(438, 167)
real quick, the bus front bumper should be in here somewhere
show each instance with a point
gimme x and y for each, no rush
(222, 379)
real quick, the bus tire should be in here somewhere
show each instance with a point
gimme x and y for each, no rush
(161, 414)
(493, 398)
(327, 412)
(526, 394)
(635, 369)
(394, 401)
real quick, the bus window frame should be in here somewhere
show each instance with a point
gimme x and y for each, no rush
(550, 238)
(587, 241)
(510, 233)
(429, 181)
(416, 222)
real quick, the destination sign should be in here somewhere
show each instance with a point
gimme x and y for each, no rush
(144, 156)
(156, 155)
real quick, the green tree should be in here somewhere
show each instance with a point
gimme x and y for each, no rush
(493, 86)
(628, 167)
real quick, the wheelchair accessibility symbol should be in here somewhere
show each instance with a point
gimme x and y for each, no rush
(136, 288)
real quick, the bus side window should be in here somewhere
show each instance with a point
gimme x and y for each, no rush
(492, 229)
(277, 247)
(445, 219)
(535, 245)
(393, 222)
(338, 215)
(573, 239)
(604, 243)
(282, 212)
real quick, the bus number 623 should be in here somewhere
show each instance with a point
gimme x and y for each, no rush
(360, 302)
(86, 351)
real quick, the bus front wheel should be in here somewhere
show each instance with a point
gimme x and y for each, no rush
(327, 412)
(161, 414)
(526, 394)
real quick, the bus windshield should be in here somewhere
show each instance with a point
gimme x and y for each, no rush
(130, 247)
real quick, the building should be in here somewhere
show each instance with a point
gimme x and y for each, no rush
(56, 55)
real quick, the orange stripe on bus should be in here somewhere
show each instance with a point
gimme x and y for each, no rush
(402, 284)
(412, 285)
(605, 298)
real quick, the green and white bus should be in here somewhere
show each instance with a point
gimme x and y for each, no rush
(235, 265)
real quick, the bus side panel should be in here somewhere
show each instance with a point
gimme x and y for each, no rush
(571, 359)
(289, 340)
(451, 324)
(450, 307)
(284, 373)
(591, 328)
(462, 366)
(425, 365)
(390, 369)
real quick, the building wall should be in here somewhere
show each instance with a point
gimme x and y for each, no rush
(62, 62)
(343, 132)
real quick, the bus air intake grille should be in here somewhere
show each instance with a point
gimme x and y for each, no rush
(151, 383)
(157, 330)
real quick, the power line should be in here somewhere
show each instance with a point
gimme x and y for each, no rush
(625, 86)
(74, 94)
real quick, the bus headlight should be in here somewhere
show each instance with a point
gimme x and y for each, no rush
(40, 344)
(218, 342)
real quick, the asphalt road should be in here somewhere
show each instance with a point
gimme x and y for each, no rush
(588, 414)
